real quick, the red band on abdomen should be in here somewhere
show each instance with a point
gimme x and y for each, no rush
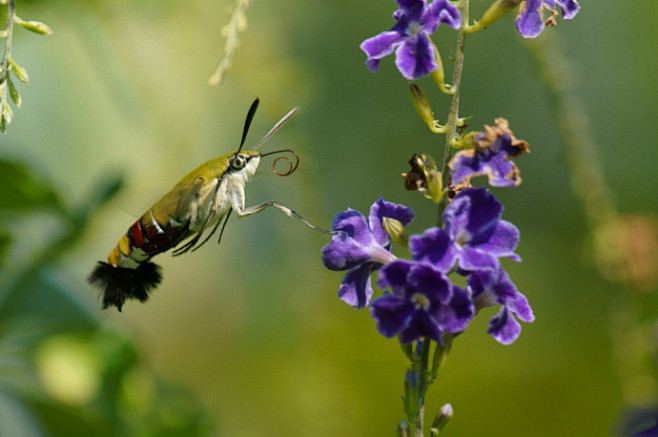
(136, 234)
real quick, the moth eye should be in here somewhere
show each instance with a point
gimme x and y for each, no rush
(238, 162)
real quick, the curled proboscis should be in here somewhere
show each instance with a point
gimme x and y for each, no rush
(291, 166)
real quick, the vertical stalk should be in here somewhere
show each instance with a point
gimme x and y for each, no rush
(453, 115)
(9, 30)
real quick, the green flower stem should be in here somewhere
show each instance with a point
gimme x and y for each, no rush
(5, 110)
(8, 32)
(453, 116)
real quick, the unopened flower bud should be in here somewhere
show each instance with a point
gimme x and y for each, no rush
(422, 104)
(19, 71)
(13, 93)
(395, 230)
(35, 26)
(441, 420)
(6, 114)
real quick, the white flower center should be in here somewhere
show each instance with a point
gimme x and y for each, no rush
(413, 28)
(463, 238)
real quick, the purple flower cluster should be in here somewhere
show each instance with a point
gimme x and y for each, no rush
(423, 302)
(409, 37)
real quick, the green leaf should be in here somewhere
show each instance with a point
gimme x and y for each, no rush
(44, 301)
(21, 189)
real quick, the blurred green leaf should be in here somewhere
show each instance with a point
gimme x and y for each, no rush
(16, 419)
(21, 189)
(107, 189)
(5, 242)
(42, 299)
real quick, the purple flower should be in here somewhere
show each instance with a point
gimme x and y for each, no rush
(478, 236)
(409, 37)
(423, 303)
(360, 247)
(474, 236)
(495, 287)
(530, 21)
(491, 156)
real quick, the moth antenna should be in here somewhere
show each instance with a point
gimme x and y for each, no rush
(276, 127)
(247, 121)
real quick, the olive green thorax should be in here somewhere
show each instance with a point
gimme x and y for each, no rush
(176, 204)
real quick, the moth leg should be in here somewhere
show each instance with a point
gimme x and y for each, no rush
(286, 210)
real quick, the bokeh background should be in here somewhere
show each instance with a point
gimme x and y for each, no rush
(248, 338)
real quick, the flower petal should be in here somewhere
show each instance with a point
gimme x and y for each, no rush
(415, 57)
(394, 275)
(356, 289)
(521, 308)
(475, 211)
(380, 46)
(348, 248)
(433, 247)
(430, 282)
(440, 11)
(504, 327)
(380, 209)
(502, 241)
(472, 259)
(455, 316)
(391, 314)
(421, 325)
(413, 9)
(529, 22)
(569, 8)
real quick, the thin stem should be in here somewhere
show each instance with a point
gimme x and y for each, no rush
(5, 110)
(9, 30)
(11, 12)
(237, 24)
(440, 354)
(419, 425)
(453, 115)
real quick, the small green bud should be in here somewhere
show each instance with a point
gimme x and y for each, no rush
(13, 93)
(6, 114)
(395, 230)
(19, 71)
(35, 26)
(422, 104)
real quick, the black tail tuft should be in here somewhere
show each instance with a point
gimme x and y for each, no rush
(120, 283)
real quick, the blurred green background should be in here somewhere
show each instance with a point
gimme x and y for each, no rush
(248, 338)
